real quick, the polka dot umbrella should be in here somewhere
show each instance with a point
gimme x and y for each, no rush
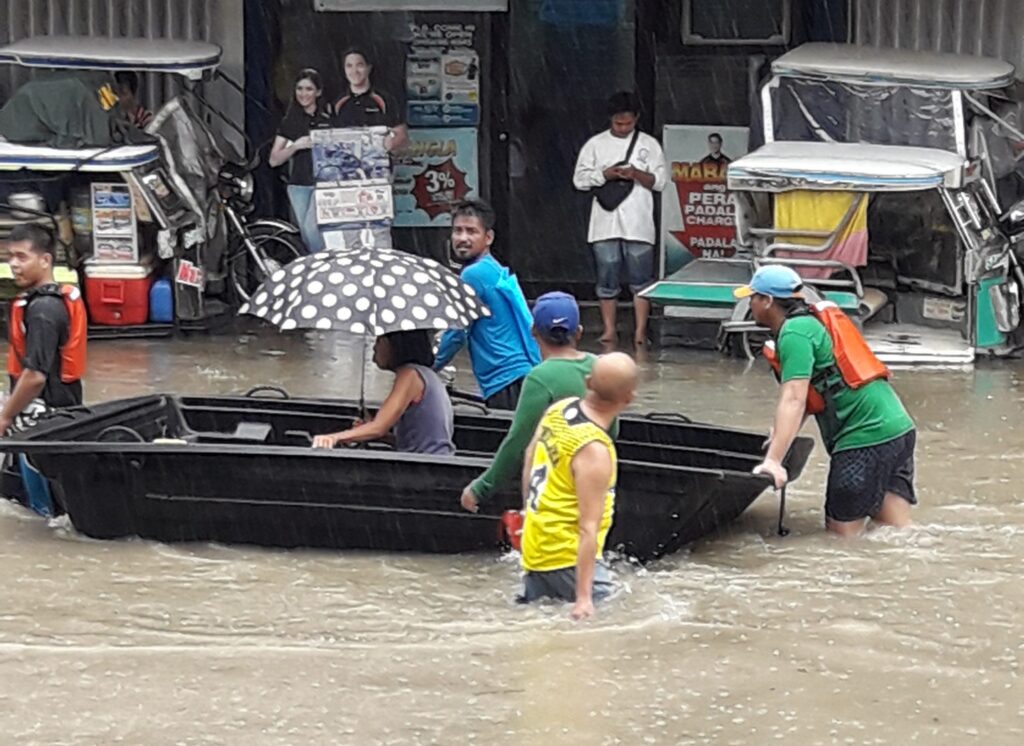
(370, 292)
(367, 292)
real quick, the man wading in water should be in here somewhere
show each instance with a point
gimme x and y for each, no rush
(831, 373)
(569, 489)
(556, 327)
(47, 329)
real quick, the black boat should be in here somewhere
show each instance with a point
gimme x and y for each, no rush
(239, 469)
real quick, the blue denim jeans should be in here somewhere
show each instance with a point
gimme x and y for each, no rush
(304, 210)
(611, 255)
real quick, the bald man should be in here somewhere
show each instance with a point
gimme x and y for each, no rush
(569, 489)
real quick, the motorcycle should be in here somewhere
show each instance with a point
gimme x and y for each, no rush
(256, 248)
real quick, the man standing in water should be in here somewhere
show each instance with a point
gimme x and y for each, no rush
(47, 330)
(622, 230)
(569, 490)
(867, 431)
(556, 327)
(501, 349)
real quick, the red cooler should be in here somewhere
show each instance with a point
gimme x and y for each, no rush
(117, 294)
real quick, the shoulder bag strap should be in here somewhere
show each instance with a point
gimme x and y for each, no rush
(632, 144)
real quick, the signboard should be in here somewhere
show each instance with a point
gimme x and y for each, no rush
(442, 76)
(434, 171)
(114, 237)
(697, 216)
(189, 274)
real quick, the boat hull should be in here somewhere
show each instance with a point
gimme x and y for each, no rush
(212, 485)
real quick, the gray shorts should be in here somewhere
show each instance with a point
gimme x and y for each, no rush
(561, 584)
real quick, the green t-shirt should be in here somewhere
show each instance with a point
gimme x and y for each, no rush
(862, 417)
(553, 380)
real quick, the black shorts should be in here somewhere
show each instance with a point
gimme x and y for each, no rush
(859, 479)
(507, 398)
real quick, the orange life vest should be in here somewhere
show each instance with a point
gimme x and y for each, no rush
(512, 529)
(856, 363)
(72, 352)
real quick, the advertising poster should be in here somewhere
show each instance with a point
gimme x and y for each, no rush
(442, 76)
(436, 169)
(697, 216)
(113, 223)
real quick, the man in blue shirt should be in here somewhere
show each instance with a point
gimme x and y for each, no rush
(501, 348)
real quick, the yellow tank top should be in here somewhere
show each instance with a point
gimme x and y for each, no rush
(551, 531)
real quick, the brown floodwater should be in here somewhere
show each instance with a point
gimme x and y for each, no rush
(746, 638)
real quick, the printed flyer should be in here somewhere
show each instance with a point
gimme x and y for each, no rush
(114, 237)
(350, 154)
(442, 76)
(358, 203)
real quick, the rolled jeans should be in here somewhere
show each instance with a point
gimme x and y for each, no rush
(304, 209)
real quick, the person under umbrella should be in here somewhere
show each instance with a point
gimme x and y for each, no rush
(397, 297)
(417, 411)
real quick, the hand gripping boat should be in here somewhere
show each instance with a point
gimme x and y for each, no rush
(241, 470)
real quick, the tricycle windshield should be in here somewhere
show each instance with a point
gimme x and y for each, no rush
(833, 111)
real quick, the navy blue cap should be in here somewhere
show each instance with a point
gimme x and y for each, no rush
(554, 311)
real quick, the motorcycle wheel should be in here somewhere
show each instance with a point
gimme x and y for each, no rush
(276, 248)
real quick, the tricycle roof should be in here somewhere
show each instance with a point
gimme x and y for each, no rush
(855, 167)
(850, 63)
(15, 157)
(188, 58)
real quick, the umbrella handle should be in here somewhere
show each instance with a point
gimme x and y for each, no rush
(363, 412)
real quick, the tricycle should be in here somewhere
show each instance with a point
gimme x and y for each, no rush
(881, 180)
(191, 183)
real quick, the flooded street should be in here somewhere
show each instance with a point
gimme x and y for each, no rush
(912, 637)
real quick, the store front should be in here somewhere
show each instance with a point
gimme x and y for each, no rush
(498, 102)
(542, 71)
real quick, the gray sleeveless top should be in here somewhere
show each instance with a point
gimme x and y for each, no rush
(427, 426)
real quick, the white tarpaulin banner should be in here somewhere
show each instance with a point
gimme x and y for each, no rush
(479, 6)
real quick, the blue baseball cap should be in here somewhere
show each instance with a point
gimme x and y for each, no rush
(554, 311)
(774, 280)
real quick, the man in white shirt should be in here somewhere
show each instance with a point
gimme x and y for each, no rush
(624, 235)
